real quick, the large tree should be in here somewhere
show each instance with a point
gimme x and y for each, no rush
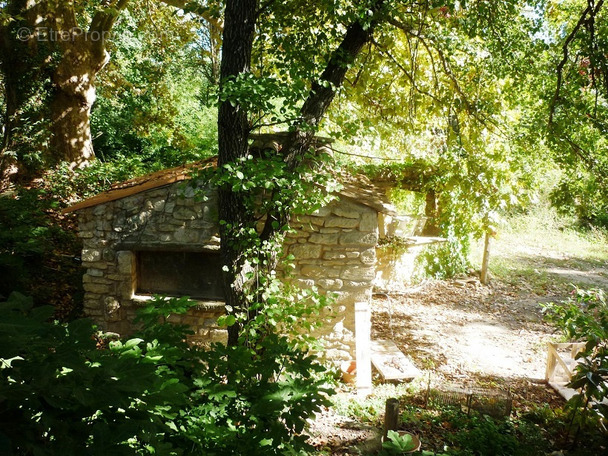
(578, 106)
(51, 52)
(299, 54)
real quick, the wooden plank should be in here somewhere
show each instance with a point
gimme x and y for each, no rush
(563, 390)
(484, 276)
(565, 361)
(391, 415)
(391, 363)
(363, 327)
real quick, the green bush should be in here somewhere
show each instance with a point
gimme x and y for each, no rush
(38, 254)
(59, 394)
(584, 317)
(152, 394)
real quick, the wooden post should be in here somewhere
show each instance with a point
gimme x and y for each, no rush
(484, 276)
(363, 327)
(391, 415)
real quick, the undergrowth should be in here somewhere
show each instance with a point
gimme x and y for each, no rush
(530, 430)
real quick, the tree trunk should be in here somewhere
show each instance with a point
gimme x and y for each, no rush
(233, 132)
(431, 228)
(49, 65)
(22, 70)
(72, 99)
(484, 276)
(319, 99)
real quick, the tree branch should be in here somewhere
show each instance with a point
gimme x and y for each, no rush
(201, 12)
(405, 72)
(323, 91)
(319, 99)
(565, 54)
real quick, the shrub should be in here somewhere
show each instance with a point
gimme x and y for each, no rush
(584, 317)
(152, 394)
(38, 254)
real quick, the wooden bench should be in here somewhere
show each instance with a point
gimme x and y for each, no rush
(561, 363)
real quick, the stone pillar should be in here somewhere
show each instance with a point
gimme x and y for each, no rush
(363, 348)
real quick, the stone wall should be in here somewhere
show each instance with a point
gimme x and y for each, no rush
(334, 250)
(166, 218)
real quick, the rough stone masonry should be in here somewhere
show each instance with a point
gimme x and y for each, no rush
(334, 250)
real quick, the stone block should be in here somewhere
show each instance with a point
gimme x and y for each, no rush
(305, 251)
(341, 222)
(304, 283)
(117, 277)
(96, 288)
(87, 225)
(312, 271)
(317, 221)
(209, 323)
(298, 234)
(112, 309)
(218, 335)
(368, 256)
(334, 255)
(326, 239)
(100, 210)
(358, 273)
(166, 227)
(108, 255)
(125, 261)
(91, 255)
(358, 238)
(94, 272)
(87, 278)
(185, 235)
(329, 230)
(184, 213)
(347, 211)
(350, 285)
(330, 284)
(369, 222)
(159, 205)
(91, 303)
(202, 224)
(322, 211)
(308, 228)
(318, 271)
(95, 264)
(93, 312)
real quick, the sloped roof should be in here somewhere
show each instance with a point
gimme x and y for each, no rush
(143, 183)
(356, 187)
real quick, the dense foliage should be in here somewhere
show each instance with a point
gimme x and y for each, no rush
(578, 106)
(39, 252)
(61, 393)
(584, 318)
(470, 102)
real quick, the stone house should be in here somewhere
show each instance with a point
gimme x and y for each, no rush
(150, 235)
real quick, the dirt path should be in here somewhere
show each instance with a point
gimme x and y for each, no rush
(460, 332)
(459, 329)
